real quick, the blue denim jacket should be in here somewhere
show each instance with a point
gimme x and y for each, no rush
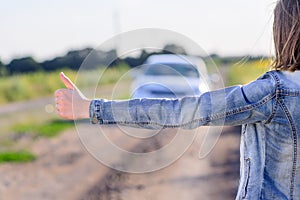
(268, 109)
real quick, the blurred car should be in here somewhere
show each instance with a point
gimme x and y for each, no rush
(170, 76)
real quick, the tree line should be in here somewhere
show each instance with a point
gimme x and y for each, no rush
(74, 59)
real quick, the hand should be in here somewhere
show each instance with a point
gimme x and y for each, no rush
(71, 103)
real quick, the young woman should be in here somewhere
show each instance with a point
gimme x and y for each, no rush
(268, 109)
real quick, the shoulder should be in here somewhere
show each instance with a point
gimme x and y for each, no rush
(287, 80)
(263, 87)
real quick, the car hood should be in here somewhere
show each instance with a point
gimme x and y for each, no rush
(171, 82)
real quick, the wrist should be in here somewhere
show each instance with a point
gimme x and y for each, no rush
(81, 110)
(86, 109)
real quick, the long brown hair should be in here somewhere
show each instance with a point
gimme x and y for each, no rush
(286, 33)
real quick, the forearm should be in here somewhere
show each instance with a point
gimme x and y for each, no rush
(188, 112)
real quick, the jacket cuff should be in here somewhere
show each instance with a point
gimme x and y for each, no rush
(95, 112)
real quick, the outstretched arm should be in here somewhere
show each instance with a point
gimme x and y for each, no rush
(235, 105)
(230, 106)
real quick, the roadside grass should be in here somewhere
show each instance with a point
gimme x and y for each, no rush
(243, 73)
(47, 129)
(16, 156)
(29, 86)
(12, 145)
(22, 130)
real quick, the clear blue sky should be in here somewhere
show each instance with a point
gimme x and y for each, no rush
(45, 29)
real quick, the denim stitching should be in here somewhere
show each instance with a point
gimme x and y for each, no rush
(246, 184)
(277, 84)
(205, 119)
(288, 92)
(208, 118)
(294, 135)
(280, 92)
(98, 111)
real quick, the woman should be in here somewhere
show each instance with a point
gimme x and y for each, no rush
(268, 109)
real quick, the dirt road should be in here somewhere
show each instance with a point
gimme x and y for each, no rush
(214, 177)
(65, 170)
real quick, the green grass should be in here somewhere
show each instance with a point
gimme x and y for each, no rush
(243, 73)
(48, 129)
(39, 84)
(16, 156)
(29, 86)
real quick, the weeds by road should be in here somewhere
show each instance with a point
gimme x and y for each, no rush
(39, 84)
(243, 73)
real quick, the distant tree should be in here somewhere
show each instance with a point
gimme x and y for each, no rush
(168, 49)
(174, 49)
(53, 64)
(96, 58)
(136, 61)
(3, 70)
(23, 65)
(144, 55)
(73, 60)
(111, 58)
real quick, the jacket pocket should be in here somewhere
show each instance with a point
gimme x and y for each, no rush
(247, 177)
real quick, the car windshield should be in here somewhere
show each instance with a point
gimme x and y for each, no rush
(172, 69)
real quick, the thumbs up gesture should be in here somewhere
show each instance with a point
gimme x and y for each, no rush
(70, 102)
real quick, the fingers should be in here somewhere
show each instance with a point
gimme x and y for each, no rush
(57, 93)
(61, 97)
(62, 100)
(61, 92)
(58, 99)
(68, 83)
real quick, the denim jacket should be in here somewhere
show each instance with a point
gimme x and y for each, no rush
(267, 109)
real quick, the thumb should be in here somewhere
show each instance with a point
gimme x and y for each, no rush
(68, 83)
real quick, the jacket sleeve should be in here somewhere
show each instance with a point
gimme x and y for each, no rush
(235, 105)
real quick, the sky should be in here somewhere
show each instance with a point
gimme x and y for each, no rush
(45, 29)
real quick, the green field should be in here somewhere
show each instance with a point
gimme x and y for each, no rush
(46, 129)
(20, 132)
(16, 156)
(39, 84)
(243, 73)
